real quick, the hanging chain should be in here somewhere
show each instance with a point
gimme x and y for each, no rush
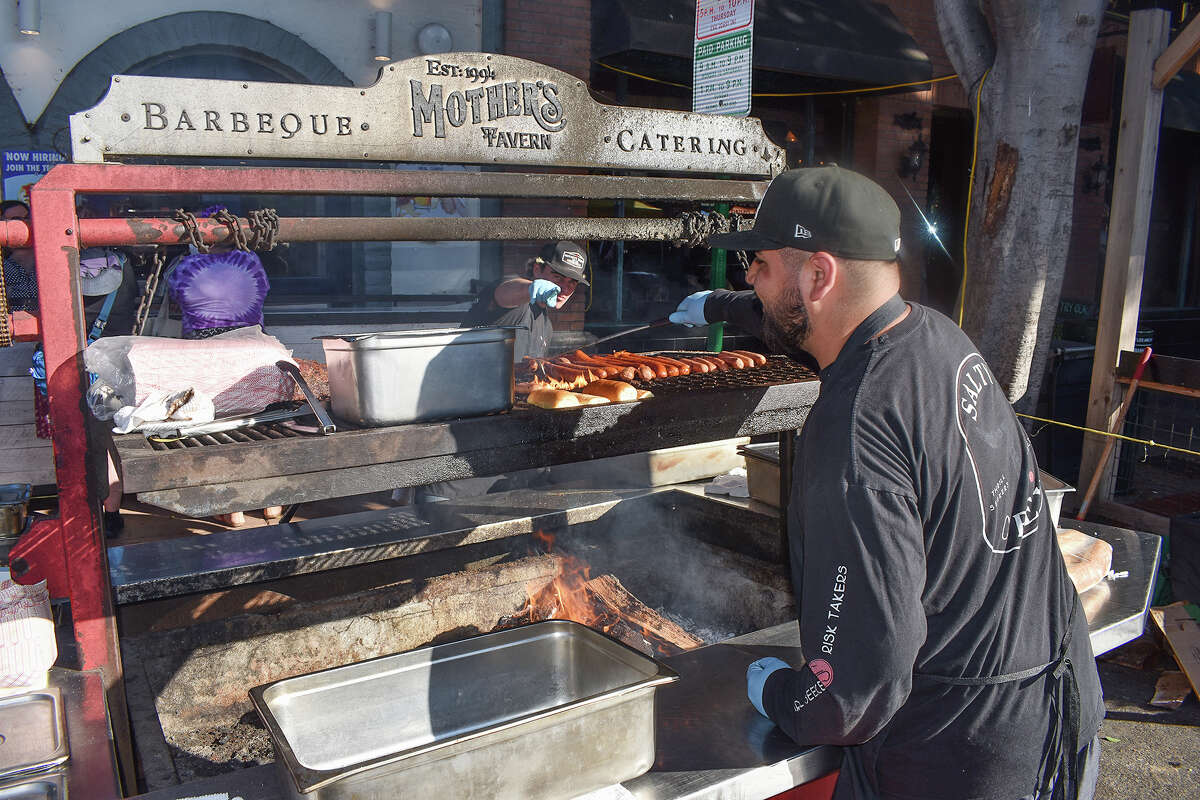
(147, 300)
(236, 234)
(698, 226)
(192, 229)
(5, 333)
(264, 229)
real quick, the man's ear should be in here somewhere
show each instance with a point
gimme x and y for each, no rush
(824, 273)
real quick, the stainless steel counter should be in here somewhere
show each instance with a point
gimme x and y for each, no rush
(711, 742)
(90, 770)
(1116, 609)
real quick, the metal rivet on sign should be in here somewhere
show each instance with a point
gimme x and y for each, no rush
(607, 139)
(392, 68)
(116, 80)
(754, 148)
(87, 116)
(85, 139)
(70, 232)
(365, 126)
(107, 148)
(364, 155)
(245, 86)
(124, 118)
(249, 152)
(364, 94)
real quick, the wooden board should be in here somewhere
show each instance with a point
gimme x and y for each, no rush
(1128, 230)
(16, 388)
(21, 435)
(1183, 637)
(13, 411)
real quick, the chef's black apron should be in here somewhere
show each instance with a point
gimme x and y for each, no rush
(1061, 775)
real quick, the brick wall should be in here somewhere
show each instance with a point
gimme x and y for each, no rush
(558, 34)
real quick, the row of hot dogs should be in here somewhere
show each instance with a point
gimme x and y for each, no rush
(578, 368)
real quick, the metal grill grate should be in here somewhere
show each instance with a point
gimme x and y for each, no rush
(256, 433)
(777, 370)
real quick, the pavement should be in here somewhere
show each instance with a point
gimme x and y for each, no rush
(1146, 752)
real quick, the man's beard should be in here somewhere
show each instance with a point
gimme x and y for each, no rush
(786, 326)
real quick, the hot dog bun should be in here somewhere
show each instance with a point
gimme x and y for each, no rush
(591, 399)
(617, 391)
(552, 398)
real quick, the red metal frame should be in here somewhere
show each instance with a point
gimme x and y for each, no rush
(68, 550)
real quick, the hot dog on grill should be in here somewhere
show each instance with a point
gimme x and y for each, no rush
(756, 359)
(562, 372)
(659, 364)
(625, 373)
(646, 370)
(729, 358)
(683, 367)
(599, 371)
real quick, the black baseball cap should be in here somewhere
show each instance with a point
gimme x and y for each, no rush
(567, 259)
(826, 209)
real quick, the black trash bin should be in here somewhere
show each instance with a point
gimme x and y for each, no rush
(1183, 565)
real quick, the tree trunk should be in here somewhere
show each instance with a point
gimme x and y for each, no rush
(1038, 55)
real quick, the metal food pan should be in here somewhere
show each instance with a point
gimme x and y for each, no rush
(398, 377)
(1054, 490)
(548, 710)
(32, 732)
(42, 786)
(762, 471)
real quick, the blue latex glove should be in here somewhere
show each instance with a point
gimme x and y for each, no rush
(691, 310)
(756, 678)
(544, 293)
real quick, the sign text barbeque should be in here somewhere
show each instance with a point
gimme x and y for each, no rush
(471, 108)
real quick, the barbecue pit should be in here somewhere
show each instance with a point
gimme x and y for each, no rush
(670, 548)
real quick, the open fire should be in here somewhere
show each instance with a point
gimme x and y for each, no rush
(601, 603)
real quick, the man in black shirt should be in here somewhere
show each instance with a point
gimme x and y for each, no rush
(524, 301)
(946, 647)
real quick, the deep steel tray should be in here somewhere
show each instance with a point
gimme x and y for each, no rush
(548, 710)
(32, 732)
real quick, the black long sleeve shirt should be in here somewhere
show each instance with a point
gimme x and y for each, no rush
(922, 545)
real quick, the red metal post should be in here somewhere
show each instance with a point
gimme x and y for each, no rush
(68, 551)
(820, 789)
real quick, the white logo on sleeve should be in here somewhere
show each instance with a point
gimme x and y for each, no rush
(803, 232)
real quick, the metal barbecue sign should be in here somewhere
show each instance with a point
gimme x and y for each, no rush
(469, 108)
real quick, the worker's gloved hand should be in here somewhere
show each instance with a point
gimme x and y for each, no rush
(544, 293)
(691, 310)
(756, 678)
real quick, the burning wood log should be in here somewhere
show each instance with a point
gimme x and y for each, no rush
(603, 604)
(637, 621)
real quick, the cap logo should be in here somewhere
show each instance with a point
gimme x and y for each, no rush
(573, 259)
(802, 232)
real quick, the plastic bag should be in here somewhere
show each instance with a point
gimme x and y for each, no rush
(236, 369)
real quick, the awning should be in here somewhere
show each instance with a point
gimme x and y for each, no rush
(798, 44)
